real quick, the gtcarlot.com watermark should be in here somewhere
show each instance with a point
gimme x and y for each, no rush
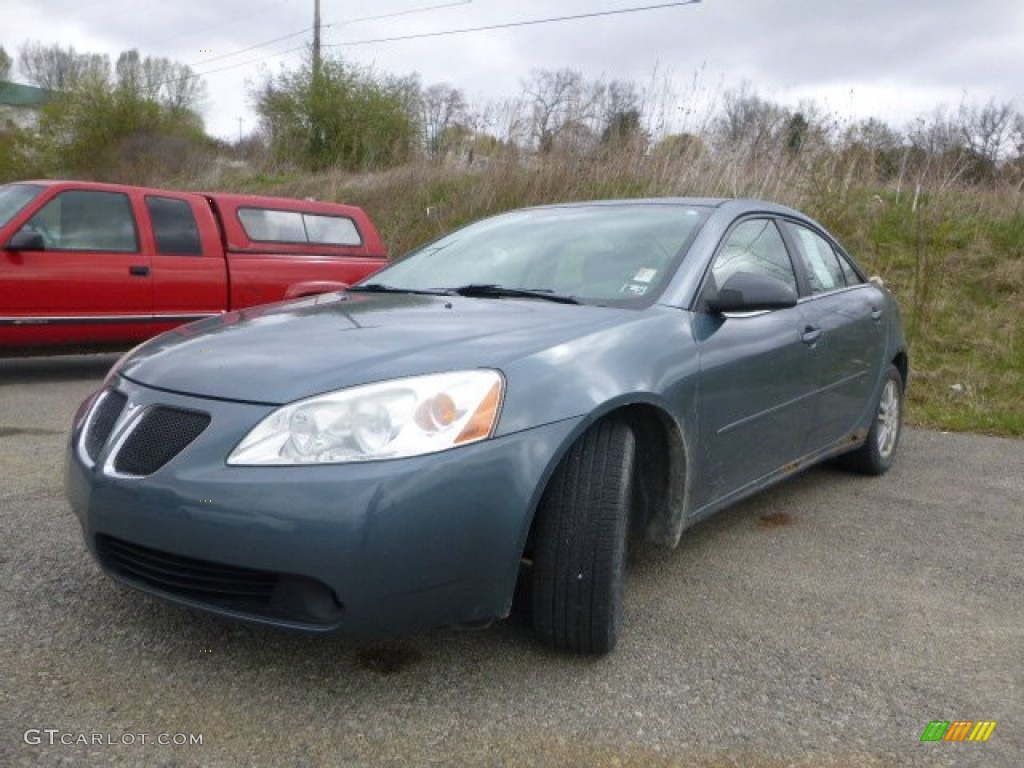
(56, 737)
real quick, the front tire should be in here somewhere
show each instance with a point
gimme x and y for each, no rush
(580, 544)
(876, 455)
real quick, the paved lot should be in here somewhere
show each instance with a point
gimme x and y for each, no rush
(823, 623)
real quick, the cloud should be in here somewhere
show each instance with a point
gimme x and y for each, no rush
(868, 57)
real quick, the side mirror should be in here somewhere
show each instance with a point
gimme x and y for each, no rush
(26, 240)
(749, 292)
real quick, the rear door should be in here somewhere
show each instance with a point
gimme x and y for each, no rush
(90, 283)
(757, 371)
(846, 311)
(189, 270)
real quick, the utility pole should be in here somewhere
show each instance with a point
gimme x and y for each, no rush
(316, 40)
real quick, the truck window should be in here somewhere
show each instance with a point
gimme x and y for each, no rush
(174, 226)
(86, 220)
(268, 225)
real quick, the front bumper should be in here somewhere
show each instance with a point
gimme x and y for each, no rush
(363, 549)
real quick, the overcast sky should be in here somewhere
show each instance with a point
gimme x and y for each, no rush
(892, 59)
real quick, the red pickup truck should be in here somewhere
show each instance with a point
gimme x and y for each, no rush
(84, 264)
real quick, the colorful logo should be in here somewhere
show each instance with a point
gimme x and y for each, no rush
(958, 730)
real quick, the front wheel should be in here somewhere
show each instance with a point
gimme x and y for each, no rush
(876, 455)
(580, 544)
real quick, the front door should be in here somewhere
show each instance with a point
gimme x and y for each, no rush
(757, 372)
(90, 282)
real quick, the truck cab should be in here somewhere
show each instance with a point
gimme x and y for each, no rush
(90, 265)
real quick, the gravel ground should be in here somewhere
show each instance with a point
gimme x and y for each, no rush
(822, 623)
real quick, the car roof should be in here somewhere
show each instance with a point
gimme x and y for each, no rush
(732, 204)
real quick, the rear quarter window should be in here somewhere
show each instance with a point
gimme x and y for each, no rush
(822, 264)
(274, 226)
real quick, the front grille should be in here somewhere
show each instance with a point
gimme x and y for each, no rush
(256, 593)
(161, 434)
(102, 422)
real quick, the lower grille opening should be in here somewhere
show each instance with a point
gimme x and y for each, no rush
(255, 593)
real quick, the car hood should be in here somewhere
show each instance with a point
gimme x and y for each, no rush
(278, 353)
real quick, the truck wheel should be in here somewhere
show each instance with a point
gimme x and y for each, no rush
(876, 455)
(580, 549)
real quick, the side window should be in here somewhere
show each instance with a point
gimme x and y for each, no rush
(174, 226)
(823, 270)
(336, 230)
(754, 246)
(86, 220)
(272, 226)
(267, 225)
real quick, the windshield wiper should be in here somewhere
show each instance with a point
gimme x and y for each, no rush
(382, 288)
(490, 290)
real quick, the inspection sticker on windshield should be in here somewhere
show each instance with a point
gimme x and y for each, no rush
(644, 275)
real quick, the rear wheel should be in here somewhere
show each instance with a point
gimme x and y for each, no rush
(876, 455)
(580, 542)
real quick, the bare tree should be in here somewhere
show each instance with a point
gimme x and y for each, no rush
(441, 108)
(936, 134)
(751, 125)
(165, 82)
(561, 106)
(61, 69)
(5, 64)
(988, 131)
(622, 115)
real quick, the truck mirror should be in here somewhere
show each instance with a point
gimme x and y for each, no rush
(26, 240)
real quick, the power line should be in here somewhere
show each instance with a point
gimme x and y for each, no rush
(511, 24)
(506, 25)
(306, 31)
(233, 21)
(405, 13)
(264, 44)
(244, 63)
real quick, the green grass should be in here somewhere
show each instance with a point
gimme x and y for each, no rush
(956, 263)
(954, 256)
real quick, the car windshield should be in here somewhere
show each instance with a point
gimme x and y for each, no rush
(14, 197)
(620, 254)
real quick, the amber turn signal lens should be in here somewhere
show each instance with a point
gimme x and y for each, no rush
(481, 423)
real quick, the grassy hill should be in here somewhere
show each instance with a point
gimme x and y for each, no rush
(953, 254)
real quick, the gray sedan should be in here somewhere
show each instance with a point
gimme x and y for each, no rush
(510, 404)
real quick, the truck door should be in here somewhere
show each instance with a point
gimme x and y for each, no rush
(85, 278)
(189, 270)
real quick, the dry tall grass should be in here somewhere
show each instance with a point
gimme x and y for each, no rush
(953, 253)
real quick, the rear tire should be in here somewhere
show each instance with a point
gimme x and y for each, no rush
(580, 545)
(876, 455)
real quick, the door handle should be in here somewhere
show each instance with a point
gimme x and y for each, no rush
(138, 271)
(811, 335)
(876, 314)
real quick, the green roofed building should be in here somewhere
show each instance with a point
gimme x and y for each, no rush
(20, 104)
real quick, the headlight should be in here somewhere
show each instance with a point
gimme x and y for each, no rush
(388, 420)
